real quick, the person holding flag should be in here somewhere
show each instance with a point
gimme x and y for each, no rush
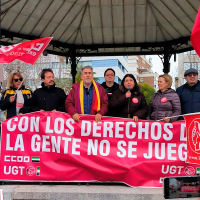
(17, 96)
(87, 97)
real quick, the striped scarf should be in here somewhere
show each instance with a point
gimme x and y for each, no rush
(80, 104)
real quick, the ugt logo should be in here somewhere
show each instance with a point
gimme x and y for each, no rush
(194, 135)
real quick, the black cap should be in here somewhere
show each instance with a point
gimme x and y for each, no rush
(190, 71)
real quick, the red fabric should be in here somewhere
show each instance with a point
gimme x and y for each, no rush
(193, 138)
(27, 52)
(190, 188)
(71, 106)
(117, 149)
(195, 36)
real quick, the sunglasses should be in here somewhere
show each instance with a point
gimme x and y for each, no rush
(192, 74)
(18, 79)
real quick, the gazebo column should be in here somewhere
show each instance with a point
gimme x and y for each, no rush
(166, 64)
(73, 63)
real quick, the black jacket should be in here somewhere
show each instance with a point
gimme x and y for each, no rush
(135, 105)
(11, 107)
(110, 91)
(48, 99)
(189, 97)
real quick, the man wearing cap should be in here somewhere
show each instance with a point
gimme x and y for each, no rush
(189, 93)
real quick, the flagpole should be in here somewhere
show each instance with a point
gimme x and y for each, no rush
(180, 116)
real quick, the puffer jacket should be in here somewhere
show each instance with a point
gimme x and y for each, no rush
(136, 104)
(11, 107)
(164, 104)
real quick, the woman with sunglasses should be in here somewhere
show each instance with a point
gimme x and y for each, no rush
(17, 96)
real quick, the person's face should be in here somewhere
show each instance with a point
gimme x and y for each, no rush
(162, 84)
(87, 76)
(16, 81)
(191, 79)
(129, 82)
(109, 76)
(48, 79)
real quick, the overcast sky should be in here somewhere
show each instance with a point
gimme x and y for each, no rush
(158, 65)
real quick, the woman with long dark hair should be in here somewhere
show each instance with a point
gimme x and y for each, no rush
(128, 101)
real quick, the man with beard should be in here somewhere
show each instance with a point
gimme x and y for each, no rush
(49, 97)
(87, 97)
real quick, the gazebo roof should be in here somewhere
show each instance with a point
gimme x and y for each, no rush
(101, 27)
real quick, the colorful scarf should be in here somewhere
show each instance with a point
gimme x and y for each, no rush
(80, 105)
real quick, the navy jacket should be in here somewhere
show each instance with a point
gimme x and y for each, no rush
(189, 97)
(88, 95)
(11, 107)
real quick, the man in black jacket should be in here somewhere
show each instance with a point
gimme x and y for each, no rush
(49, 97)
(110, 86)
(189, 93)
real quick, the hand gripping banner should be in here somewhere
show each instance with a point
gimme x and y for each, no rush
(50, 146)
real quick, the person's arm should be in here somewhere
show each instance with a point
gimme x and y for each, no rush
(176, 107)
(70, 103)
(118, 100)
(62, 101)
(143, 111)
(5, 101)
(33, 102)
(103, 103)
(27, 104)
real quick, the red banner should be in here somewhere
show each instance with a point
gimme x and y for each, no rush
(193, 138)
(50, 146)
(27, 52)
(195, 36)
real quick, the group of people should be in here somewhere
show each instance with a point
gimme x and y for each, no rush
(109, 98)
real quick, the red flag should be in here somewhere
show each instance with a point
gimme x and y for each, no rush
(192, 122)
(195, 36)
(27, 52)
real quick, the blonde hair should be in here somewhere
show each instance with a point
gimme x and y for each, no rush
(168, 79)
(10, 79)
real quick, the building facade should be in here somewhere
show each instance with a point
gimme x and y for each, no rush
(186, 61)
(100, 64)
(141, 68)
(31, 73)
